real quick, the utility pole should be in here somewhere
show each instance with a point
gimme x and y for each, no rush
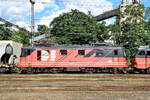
(32, 20)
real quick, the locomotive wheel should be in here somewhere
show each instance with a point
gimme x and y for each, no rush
(143, 71)
(18, 70)
(124, 71)
(115, 71)
(15, 70)
(130, 69)
(55, 70)
(9, 70)
(90, 70)
(30, 70)
(148, 70)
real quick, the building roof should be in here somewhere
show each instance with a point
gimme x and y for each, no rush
(13, 25)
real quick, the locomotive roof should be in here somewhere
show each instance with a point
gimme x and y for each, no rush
(75, 47)
(144, 48)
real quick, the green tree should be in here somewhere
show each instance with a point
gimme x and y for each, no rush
(19, 36)
(74, 27)
(147, 25)
(5, 33)
(102, 31)
(42, 29)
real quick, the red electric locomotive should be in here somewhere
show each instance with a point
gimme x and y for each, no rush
(141, 59)
(73, 58)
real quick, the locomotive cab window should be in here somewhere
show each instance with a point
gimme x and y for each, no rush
(63, 52)
(39, 55)
(148, 53)
(26, 52)
(81, 52)
(142, 53)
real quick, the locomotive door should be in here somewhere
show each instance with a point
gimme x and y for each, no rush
(148, 59)
(115, 57)
(29, 58)
(141, 59)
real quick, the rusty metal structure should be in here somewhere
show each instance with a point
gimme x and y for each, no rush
(107, 14)
(115, 12)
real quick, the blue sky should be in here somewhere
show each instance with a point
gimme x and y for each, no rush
(18, 11)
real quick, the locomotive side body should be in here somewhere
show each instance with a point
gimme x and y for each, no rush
(73, 57)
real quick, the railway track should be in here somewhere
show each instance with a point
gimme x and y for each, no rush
(79, 88)
(133, 76)
(75, 82)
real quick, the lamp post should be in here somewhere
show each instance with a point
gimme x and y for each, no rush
(32, 20)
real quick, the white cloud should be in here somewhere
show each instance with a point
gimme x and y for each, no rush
(95, 6)
(42, 4)
(23, 25)
(47, 19)
(17, 11)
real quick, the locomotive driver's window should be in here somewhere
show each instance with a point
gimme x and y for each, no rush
(148, 53)
(142, 53)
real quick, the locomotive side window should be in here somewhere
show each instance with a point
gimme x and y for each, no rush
(28, 52)
(63, 52)
(99, 54)
(81, 52)
(115, 52)
(39, 55)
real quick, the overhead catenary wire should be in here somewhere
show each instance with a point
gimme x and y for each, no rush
(62, 1)
(67, 1)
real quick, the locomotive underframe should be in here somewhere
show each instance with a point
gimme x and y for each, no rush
(72, 70)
